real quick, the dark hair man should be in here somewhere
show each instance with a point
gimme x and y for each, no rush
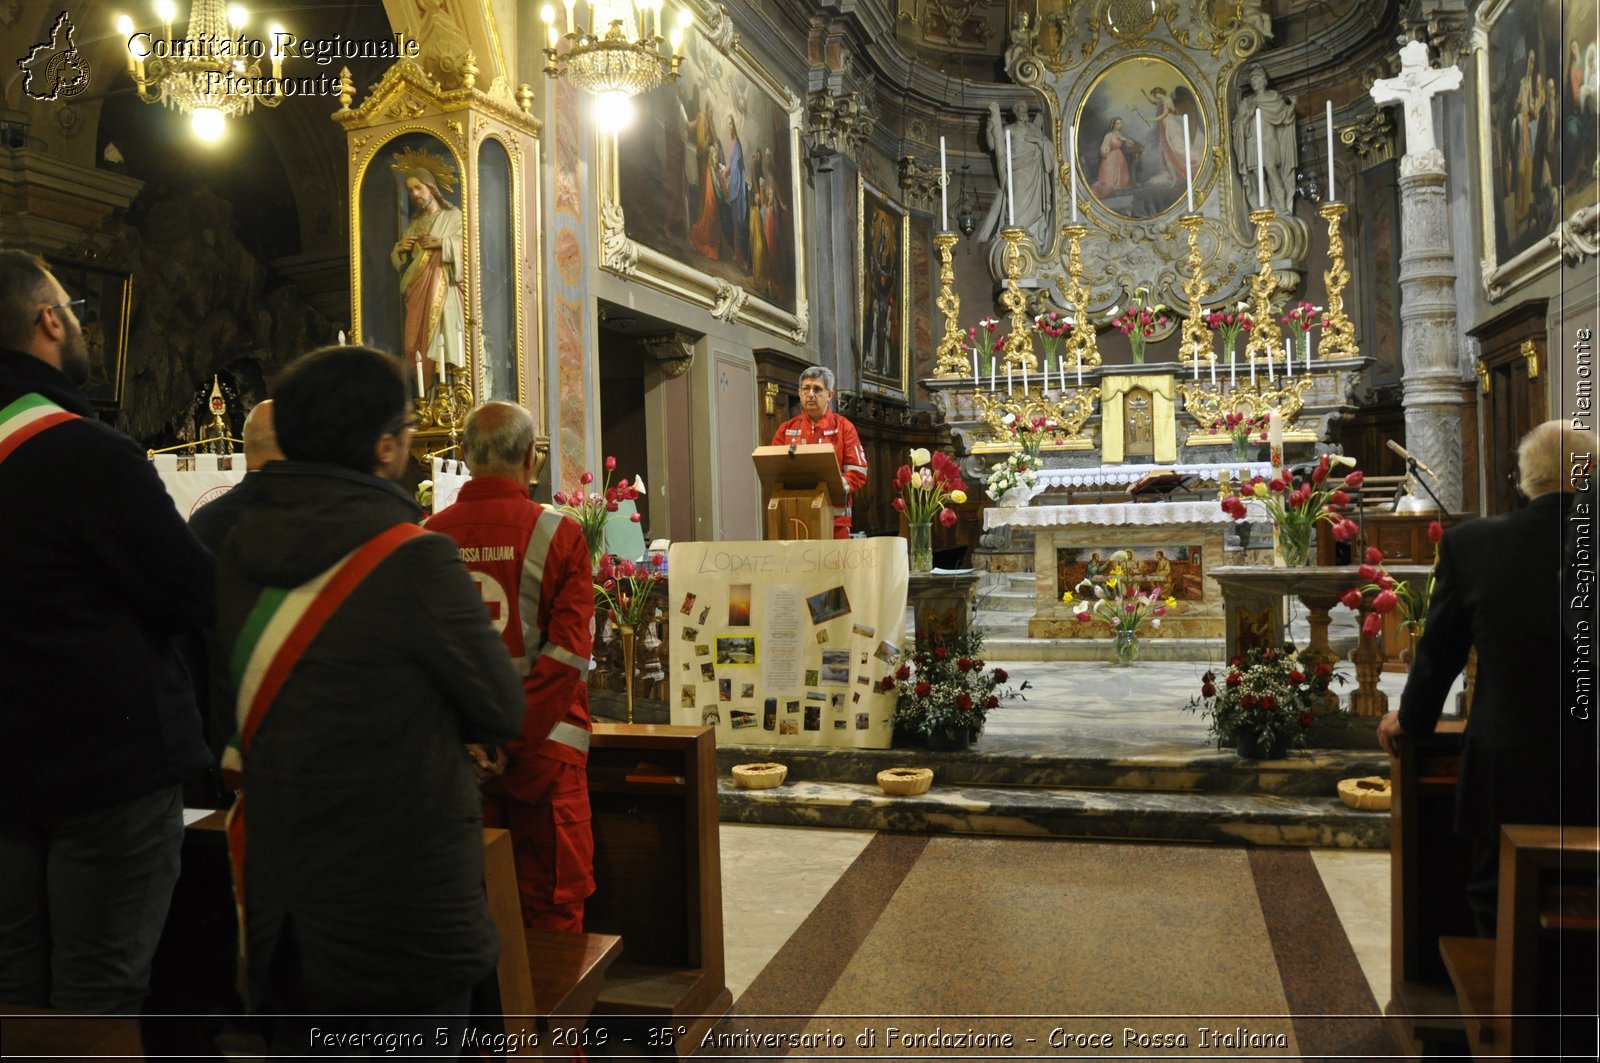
(532, 567)
(817, 423)
(1526, 757)
(98, 726)
(362, 663)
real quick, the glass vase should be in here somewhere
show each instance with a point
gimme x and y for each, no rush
(1305, 349)
(1127, 647)
(1293, 545)
(1136, 342)
(626, 634)
(1241, 448)
(921, 546)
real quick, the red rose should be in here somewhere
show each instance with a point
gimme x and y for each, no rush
(965, 664)
(1270, 655)
(1297, 678)
(888, 682)
(1323, 669)
(924, 689)
(1354, 479)
(1351, 599)
(1234, 679)
(991, 702)
(940, 653)
(1001, 675)
(1247, 701)
(1435, 531)
(1305, 719)
(963, 703)
(1209, 677)
(1270, 702)
(1208, 691)
(903, 672)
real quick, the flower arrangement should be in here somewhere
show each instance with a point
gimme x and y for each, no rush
(944, 685)
(1265, 701)
(1118, 602)
(1017, 469)
(1239, 427)
(1051, 327)
(991, 343)
(927, 486)
(1383, 594)
(1229, 323)
(1139, 322)
(1296, 505)
(1302, 318)
(591, 509)
(622, 589)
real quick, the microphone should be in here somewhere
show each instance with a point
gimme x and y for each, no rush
(1412, 459)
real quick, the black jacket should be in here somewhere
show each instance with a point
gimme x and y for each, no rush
(364, 874)
(100, 575)
(1525, 758)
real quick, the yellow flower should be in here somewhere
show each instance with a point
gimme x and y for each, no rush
(1261, 490)
(958, 497)
(1066, 596)
(1171, 601)
(1111, 584)
(920, 457)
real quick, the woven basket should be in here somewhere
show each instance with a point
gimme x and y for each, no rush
(905, 782)
(759, 776)
(1370, 794)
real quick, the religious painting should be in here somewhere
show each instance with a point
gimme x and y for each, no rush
(1538, 102)
(1175, 568)
(1130, 154)
(103, 318)
(881, 254)
(707, 175)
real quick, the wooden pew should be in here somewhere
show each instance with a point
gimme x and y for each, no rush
(1540, 964)
(1428, 868)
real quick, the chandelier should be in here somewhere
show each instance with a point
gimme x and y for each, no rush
(618, 56)
(210, 74)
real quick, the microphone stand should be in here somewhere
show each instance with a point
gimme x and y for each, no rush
(1415, 473)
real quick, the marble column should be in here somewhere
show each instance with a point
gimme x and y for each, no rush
(1428, 337)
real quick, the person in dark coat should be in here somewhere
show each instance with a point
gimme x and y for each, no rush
(363, 881)
(1526, 758)
(98, 726)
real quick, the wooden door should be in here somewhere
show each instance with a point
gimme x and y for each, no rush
(1513, 368)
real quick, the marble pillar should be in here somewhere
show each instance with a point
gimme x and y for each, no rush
(1428, 335)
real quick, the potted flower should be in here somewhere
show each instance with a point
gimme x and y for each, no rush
(1382, 594)
(1013, 480)
(1265, 702)
(591, 509)
(1139, 322)
(1227, 324)
(925, 489)
(1121, 605)
(1301, 319)
(988, 343)
(1051, 327)
(944, 690)
(1297, 505)
(622, 589)
(1239, 427)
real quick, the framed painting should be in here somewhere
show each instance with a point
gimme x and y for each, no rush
(1538, 98)
(882, 251)
(705, 195)
(103, 318)
(1130, 137)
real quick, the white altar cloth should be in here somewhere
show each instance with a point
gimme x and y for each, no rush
(1127, 475)
(1205, 511)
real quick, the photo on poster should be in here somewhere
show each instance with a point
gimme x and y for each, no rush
(739, 605)
(709, 716)
(863, 658)
(887, 652)
(863, 721)
(811, 677)
(838, 701)
(690, 634)
(724, 690)
(864, 631)
(702, 649)
(792, 705)
(738, 650)
(822, 636)
(688, 604)
(817, 696)
(747, 690)
(707, 672)
(742, 718)
(813, 717)
(828, 604)
(836, 666)
(863, 680)
(855, 699)
(788, 727)
(686, 696)
(705, 614)
(839, 725)
(769, 714)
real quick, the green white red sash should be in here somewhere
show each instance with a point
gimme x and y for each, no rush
(26, 418)
(280, 628)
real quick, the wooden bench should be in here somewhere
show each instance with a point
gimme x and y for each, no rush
(1515, 988)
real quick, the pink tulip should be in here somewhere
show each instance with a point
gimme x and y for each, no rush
(634, 517)
(586, 479)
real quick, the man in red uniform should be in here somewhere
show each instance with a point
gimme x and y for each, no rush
(818, 423)
(531, 565)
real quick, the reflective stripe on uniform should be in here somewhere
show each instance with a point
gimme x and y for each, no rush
(569, 734)
(529, 589)
(562, 655)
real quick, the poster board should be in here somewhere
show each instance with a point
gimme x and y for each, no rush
(785, 643)
(192, 481)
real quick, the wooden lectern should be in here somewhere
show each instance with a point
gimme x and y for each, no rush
(804, 487)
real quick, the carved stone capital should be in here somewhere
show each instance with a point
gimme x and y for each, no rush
(919, 183)
(1445, 24)
(1371, 137)
(673, 351)
(837, 123)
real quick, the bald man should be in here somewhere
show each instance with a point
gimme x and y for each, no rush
(532, 566)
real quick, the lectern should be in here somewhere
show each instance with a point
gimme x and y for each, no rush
(804, 487)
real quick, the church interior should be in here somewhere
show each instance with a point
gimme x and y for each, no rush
(1183, 243)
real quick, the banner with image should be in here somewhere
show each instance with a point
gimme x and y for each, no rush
(785, 643)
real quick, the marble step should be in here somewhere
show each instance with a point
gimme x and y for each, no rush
(1227, 819)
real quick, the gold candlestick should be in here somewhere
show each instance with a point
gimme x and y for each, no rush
(1068, 411)
(1019, 345)
(1265, 335)
(446, 404)
(1196, 337)
(952, 358)
(1338, 331)
(1080, 342)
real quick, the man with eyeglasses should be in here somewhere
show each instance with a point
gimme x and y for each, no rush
(98, 726)
(363, 663)
(817, 423)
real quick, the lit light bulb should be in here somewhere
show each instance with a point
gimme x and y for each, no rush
(277, 40)
(684, 17)
(165, 10)
(208, 124)
(237, 16)
(614, 111)
(555, 37)
(125, 25)
(677, 39)
(547, 14)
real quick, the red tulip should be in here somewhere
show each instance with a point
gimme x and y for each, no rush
(1367, 572)
(947, 517)
(1351, 599)
(1435, 531)
(586, 479)
(611, 464)
(899, 504)
(1344, 530)
(1374, 556)
(1372, 625)
(1354, 479)
(1339, 498)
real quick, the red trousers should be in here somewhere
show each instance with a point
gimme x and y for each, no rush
(544, 803)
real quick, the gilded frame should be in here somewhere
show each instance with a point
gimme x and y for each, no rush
(1505, 31)
(627, 255)
(883, 332)
(103, 318)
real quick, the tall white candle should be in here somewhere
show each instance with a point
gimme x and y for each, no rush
(1261, 167)
(422, 388)
(1011, 189)
(975, 383)
(1275, 440)
(1233, 376)
(1288, 357)
(1333, 196)
(1073, 166)
(1061, 370)
(1213, 372)
(1010, 387)
(992, 372)
(1080, 370)
(1252, 373)
(1024, 378)
(1272, 374)
(944, 192)
(1195, 352)
(1188, 168)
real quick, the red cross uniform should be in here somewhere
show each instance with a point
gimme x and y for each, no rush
(839, 434)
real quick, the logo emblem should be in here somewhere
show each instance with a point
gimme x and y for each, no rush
(55, 68)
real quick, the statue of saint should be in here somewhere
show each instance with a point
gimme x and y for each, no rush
(428, 259)
(1279, 151)
(1032, 169)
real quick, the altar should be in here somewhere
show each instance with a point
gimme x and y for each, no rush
(1173, 544)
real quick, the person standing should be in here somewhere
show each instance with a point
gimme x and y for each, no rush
(532, 567)
(98, 726)
(737, 183)
(817, 423)
(363, 665)
(428, 259)
(1525, 758)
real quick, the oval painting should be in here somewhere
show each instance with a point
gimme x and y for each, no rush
(1130, 137)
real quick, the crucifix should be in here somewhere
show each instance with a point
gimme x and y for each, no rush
(1414, 89)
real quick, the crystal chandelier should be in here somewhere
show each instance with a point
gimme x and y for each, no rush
(618, 56)
(212, 73)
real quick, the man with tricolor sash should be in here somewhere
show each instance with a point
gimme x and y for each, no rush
(98, 726)
(532, 567)
(363, 665)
